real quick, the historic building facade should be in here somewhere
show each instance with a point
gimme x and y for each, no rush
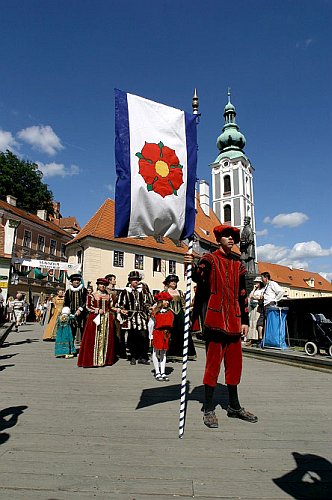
(28, 236)
(297, 283)
(99, 253)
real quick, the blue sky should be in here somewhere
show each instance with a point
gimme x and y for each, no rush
(61, 60)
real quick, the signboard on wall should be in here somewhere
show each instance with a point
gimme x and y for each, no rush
(49, 264)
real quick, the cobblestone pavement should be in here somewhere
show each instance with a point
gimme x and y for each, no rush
(108, 433)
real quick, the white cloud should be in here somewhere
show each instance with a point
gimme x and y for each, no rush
(263, 232)
(7, 141)
(57, 169)
(271, 253)
(309, 249)
(297, 256)
(293, 219)
(73, 170)
(327, 276)
(296, 264)
(42, 138)
(304, 44)
(110, 188)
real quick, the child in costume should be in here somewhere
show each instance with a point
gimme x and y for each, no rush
(64, 343)
(160, 324)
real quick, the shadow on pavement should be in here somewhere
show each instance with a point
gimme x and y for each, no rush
(7, 356)
(163, 393)
(26, 341)
(3, 367)
(8, 418)
(311, 479)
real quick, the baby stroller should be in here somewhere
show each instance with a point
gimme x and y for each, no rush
(321, 337)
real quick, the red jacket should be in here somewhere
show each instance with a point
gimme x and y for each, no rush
(221, 300)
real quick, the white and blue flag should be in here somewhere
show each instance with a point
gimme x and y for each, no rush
(156, 159)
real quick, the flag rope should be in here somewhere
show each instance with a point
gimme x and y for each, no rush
(182, 417)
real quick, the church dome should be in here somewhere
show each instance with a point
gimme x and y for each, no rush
(231, 137)
(229, 107)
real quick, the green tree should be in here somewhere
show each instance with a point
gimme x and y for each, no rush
(22, 179)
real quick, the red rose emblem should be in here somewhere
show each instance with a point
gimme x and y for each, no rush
(160, 168)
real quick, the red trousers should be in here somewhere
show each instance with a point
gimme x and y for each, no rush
(228, 349)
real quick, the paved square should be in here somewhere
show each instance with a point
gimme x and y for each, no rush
(68, 432)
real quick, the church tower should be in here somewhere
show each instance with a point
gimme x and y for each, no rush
(232, 175)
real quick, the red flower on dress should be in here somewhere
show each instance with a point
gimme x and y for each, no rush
(160, 168)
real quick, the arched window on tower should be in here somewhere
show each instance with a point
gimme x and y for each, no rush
(227, 214)
(247, 188)
(227, 184)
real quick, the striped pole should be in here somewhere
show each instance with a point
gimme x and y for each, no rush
(182, 418)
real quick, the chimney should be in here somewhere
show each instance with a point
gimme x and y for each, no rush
(42, 214)
(11, 200)
(204, 196)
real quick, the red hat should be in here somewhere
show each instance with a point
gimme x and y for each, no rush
(102, 281)
(224, 230)
(163, 296)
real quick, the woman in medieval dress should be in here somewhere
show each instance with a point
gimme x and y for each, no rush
(97, 346)
(51, 327)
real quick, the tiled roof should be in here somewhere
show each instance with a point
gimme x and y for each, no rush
(295, 278)
(32, 218)
(101, 225)
(204, 225)
(69, 222)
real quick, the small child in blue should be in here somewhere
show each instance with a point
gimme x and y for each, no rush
(64, 343)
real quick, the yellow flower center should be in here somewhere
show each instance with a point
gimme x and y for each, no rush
(162, 168)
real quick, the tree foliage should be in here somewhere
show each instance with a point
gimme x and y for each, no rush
(22, 179)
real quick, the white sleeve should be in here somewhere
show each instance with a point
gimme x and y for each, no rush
(278, 291)
(150, 328)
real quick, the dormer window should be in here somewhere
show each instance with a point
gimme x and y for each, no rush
(310, 282)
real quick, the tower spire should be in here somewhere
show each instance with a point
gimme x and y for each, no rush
(231, 138)
(195, 103)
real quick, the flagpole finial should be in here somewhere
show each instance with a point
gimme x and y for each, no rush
(195, 103)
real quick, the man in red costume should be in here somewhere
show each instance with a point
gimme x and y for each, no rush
(220, 314)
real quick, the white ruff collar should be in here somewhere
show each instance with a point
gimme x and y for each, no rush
(76, 289)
